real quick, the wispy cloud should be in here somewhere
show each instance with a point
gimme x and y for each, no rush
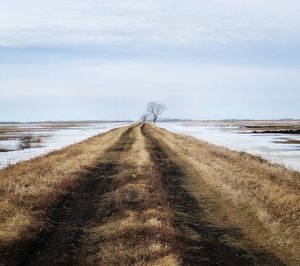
(97, 22)
(194, 51)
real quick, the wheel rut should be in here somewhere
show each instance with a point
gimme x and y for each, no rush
(199, 240)
(63, 241)
(202, 241)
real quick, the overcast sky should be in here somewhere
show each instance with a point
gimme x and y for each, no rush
(93, 59)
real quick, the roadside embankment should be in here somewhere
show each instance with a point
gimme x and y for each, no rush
(30, 190)
(141, 195)
(260, 198)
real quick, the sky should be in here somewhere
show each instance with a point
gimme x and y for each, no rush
(94, 59)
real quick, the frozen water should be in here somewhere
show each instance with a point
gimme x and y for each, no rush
(257, 144)
(56, 138)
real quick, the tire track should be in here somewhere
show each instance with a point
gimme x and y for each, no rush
(62, 242)
(203, 242)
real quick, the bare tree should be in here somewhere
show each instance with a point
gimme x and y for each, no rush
(155, 109)
(144, 117)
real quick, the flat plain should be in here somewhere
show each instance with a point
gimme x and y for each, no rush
(141, 195)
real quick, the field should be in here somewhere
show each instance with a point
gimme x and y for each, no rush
(23, 141)
(141, 195)
(276, 141)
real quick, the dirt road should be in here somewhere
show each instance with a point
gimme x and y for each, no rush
(62, 243)
(134, 208)
(204, 242)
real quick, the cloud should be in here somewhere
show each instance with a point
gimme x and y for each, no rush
(201, 52)
(141, 80)
(158, 21)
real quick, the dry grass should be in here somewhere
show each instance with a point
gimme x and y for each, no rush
(29, 141)
(288, 141)
(140, 230)
(134, 223)
(27, 189)
(261, 198)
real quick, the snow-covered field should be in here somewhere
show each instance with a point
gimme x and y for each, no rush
(219, 134)
(257, 144)
(54, 138)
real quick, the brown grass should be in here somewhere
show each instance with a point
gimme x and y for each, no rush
(140, 230)
(27, 189)
(134, 223)
(261, 198)
(29, 141)
(288, 141)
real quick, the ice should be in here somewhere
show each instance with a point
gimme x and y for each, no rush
(257, 144)
(55, 139)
